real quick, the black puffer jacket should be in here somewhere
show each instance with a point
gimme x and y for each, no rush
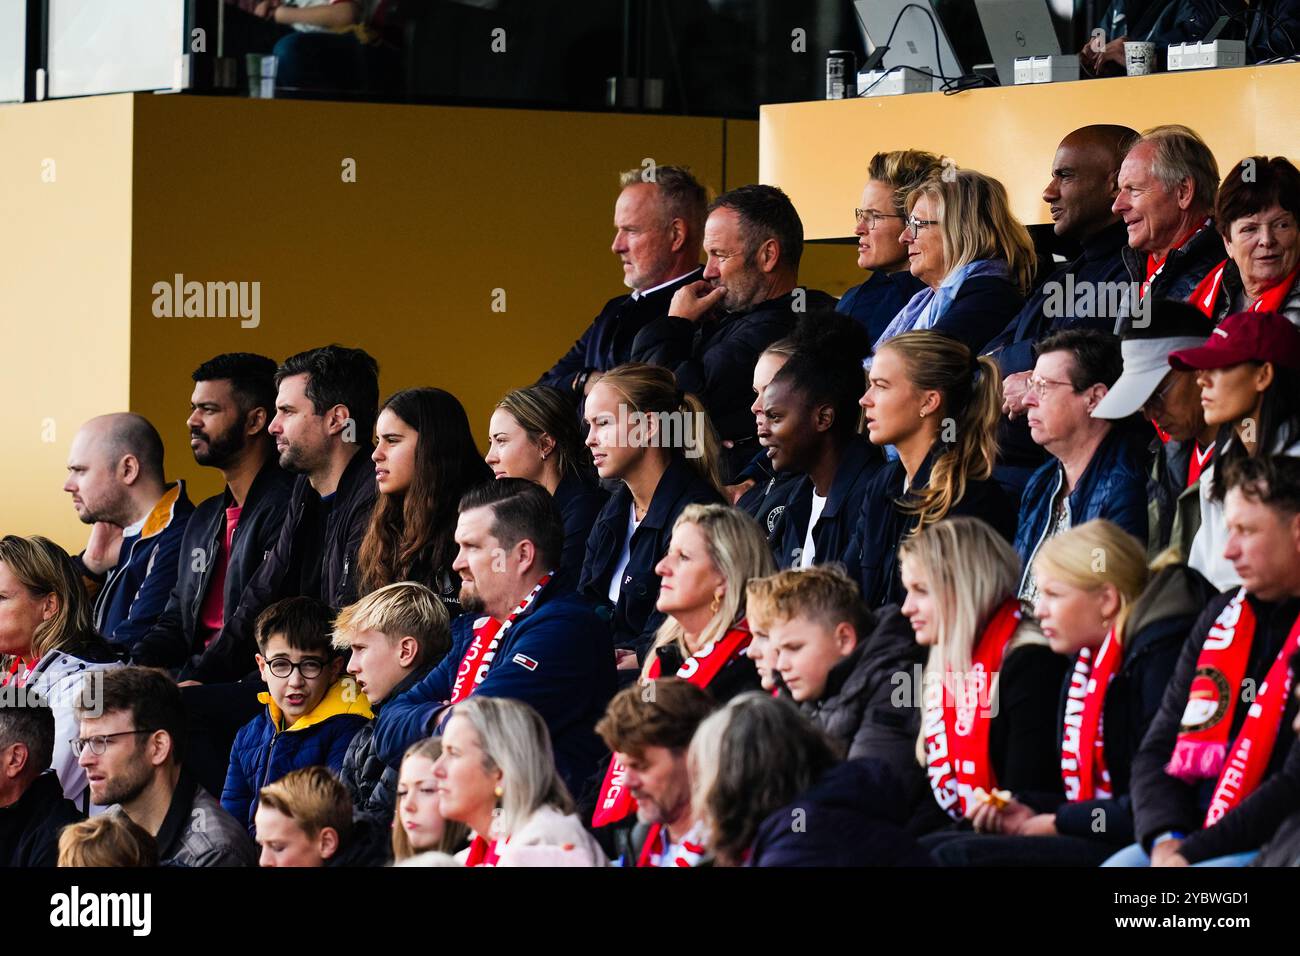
(857, 709)
(174, 641)
(373, 783)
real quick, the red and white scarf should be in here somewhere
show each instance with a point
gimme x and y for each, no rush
(483, 852)
(1202, 750)
(1207, 291)
(482, 650)
(615, 801)
(957, 723)
(657, 851)
(1083, 752)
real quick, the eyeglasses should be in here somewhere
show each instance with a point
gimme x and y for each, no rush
(1158, 399)
(283, 667)
(98, 744)
(871, 217)
(1039, 386)
(916, 225)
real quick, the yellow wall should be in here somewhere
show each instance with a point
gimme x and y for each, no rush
(65, 248)
(817, 151)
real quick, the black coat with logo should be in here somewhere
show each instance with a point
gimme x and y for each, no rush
(833, 535)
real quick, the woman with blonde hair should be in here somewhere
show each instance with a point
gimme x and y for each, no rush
(496, 775)
(418, 824)
(991, 686)
(976, 259)
(48, 644)
(714, 551)
(937, 404)
(534, 435)
(659, 445)
(891, 177)
(1122, 627)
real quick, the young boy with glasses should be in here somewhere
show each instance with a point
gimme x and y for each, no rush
(311, 714)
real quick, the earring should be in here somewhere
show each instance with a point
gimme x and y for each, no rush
(543, 456)
(923, 413)
(499, 793)
(717, 603)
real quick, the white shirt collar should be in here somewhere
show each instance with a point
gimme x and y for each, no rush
(637, 293)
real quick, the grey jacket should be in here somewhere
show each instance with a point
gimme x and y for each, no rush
(198, 832)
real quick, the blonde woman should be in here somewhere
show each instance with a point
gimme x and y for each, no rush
(418, 824)
(891, 176)
(1122, 630)
(48, 645)
(659, 445)
(975, 258)
(497, 776)
(714, 551)
(533, 434)
(991, 687)
(937, 404)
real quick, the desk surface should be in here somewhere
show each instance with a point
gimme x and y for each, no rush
(818, 151)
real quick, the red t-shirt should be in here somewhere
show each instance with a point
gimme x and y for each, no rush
(213, 609)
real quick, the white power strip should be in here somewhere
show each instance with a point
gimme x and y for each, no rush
(894, 83)
(1046, 69)
(1206, 56)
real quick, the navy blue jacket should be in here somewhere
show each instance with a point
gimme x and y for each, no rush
(176, 637)
(607, 341)
(872, 555)
(853, 816)
(633, 619)
(263, 752)
(874, 303)
(980, 310)
(835, 529)
(1184, 267)
(134, 593)
(556, 657)
(1113, 486)
(714, 360)
(766, 501)
(579, 502)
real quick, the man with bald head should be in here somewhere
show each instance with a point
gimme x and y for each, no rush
(115, 478)
(1085, 292)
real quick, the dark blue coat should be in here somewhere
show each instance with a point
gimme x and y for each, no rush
(263, 753)
(835, 529)
(980, 310)
(579, 502)
(634, 618)
(874, 303)
(766, 501)
(872, 556)
(556, 657)
(607, 341)
(853, 816)
(1113, 486)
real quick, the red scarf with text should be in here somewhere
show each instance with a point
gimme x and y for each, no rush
(656, 845)
(1083, 753)
(482, 650)
(615, 801)
(957, 722)
(1202, 750)
(1270, 300)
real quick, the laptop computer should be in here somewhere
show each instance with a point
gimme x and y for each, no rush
(1016, 28)
(913, 37)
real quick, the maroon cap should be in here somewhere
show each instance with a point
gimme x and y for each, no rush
(1244, 337)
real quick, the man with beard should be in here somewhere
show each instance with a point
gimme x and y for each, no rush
(131, 746)
(749, 297)
(115, 477)
(649, 734)
(230, 533)
(535, 642)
